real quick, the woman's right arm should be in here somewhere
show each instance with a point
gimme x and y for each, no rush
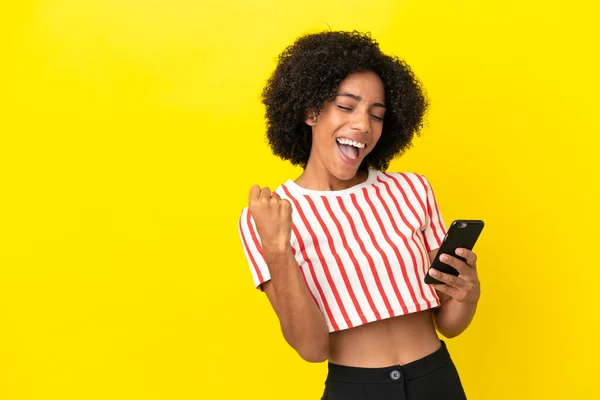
(302, 323)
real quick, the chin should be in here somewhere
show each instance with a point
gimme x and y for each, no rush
(344, 173)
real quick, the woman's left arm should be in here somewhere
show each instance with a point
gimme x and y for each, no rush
(460, 294)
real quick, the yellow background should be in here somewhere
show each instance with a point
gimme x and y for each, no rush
(130, 132)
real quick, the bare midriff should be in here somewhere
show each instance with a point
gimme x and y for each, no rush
(393, 341)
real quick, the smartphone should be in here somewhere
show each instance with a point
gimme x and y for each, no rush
(462, 233)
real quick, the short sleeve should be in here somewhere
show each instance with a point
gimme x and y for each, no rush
(253, 249)
(433, 228)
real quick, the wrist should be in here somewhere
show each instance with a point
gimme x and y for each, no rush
(470, 302)
(276, 252)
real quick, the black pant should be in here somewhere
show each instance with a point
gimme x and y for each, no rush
(433, 377)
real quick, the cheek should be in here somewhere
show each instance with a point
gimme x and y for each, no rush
(328, 128)
(322, 137)
(377, 136)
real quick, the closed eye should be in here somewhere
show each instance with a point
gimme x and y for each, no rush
(350, 109)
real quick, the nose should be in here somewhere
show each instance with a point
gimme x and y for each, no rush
(361, 122)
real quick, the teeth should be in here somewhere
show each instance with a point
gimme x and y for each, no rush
(351, 142)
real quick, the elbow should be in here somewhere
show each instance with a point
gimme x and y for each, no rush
(314, 350)
(449, 332)
(311, 346)
(446, 329)
(450, 335)
(314, 354)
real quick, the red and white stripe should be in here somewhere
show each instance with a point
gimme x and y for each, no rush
(363, 252)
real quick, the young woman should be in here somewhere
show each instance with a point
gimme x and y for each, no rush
(342, 251)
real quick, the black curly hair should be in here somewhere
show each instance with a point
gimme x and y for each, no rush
(309, 73)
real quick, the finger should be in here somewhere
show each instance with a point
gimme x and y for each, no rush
(275, 196)
(286, 206)
(455, 263)
(448, 279)
(254, 193)
(265, 193)
(468, 255)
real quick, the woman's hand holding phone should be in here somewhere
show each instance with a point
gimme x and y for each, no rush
(465, 287)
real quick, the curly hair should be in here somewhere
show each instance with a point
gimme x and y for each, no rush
(309, 72)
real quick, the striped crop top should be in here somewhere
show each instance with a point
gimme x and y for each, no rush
(362, 250)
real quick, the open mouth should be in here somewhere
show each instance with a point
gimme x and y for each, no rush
(350, 148)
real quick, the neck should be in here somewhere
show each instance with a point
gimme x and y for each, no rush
(319, 178)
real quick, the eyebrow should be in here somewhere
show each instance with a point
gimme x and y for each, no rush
(358, 98)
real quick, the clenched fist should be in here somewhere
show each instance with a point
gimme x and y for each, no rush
(273, 219)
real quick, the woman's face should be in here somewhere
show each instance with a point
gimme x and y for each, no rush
(348, 127)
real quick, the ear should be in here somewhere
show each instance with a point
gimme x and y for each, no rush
(310, 116)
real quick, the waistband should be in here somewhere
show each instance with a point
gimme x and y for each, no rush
(412, 370)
